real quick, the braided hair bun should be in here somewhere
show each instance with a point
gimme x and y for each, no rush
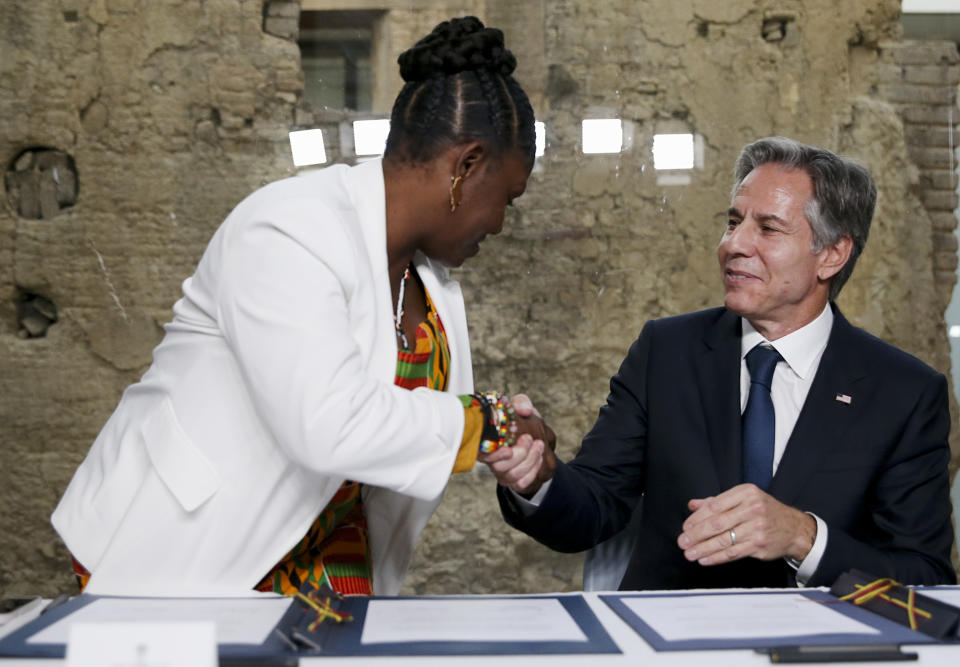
(454, 46)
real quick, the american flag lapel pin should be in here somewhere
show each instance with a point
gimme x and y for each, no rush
(844, 398)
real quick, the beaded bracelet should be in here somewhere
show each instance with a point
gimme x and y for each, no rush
(500, 429)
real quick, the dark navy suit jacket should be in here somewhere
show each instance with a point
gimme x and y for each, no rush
(874, 468)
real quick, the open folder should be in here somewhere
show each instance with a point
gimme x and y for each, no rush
(273, 626)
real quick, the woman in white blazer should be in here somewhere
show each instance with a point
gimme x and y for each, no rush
(275, 380)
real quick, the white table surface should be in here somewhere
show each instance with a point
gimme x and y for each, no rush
(635, 652)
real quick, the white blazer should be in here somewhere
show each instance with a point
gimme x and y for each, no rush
(272, 385)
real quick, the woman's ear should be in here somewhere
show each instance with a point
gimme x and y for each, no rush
(468, 158)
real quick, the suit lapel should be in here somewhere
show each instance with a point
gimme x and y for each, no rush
(718, 375)
(840, 391)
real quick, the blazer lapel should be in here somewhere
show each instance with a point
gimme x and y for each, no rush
(364, 183)
(840, 391)
(718, 375)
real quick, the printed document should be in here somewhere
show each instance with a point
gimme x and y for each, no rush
(741, 616)
(238, 620)
(482, 620)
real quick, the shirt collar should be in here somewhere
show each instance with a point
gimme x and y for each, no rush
(800, 349)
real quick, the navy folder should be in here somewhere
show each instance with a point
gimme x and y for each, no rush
(890, 632)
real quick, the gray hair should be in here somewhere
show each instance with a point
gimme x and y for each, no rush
(844, 194)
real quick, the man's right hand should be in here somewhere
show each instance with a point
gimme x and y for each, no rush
(530, 462)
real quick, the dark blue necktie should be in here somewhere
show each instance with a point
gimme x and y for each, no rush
(758, 422)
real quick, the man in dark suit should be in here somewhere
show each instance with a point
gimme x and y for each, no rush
(772, 442)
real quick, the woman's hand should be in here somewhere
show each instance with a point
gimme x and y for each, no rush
(530, 462)
(529, 421)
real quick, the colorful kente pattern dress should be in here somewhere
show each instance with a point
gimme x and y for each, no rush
(336, 550)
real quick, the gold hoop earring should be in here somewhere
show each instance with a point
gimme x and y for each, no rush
(456, 192)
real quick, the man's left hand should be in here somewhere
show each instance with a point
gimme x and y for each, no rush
(745, 521)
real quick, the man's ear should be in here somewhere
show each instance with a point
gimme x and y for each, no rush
(834, 257)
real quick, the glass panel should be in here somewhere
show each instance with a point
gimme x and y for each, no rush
(335, 49)
(307, 147)
(370, 136)
(602, 135)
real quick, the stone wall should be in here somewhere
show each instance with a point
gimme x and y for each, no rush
(920, 79)
(166, 114)
(129, 128)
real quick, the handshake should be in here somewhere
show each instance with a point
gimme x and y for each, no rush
(530, 462)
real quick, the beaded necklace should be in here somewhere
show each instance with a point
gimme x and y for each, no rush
(398, 318)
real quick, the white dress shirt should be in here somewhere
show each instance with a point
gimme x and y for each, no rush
(801, 352)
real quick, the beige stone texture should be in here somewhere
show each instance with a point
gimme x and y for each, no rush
(169, 111)
(173, 110)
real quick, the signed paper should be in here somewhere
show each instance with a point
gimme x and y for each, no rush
(484, 619)
(678, 618)
(238, 620)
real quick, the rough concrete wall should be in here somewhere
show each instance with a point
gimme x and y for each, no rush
(172, 111)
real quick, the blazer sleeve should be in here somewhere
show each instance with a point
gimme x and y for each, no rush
(593, 496)
(286, 300)
(910, 532)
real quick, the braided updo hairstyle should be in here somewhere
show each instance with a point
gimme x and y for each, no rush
(458, 89)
